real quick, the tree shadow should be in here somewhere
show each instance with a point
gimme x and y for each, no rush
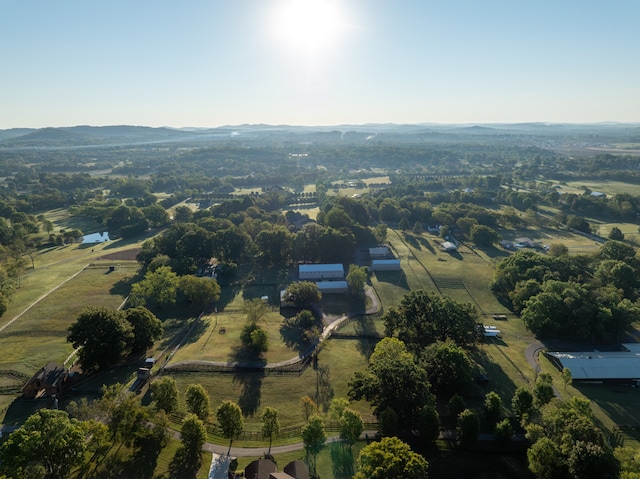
(499, 381)
(251, 393)
(412, 241)
(426, 243)
(324, 389)
(393, 277)
(227, 295)
(342, 463)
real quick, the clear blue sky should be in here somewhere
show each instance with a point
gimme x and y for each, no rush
(211, 63)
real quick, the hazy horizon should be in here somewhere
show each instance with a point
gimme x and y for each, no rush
(205, 64)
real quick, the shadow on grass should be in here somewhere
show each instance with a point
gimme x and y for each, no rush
(342, 463)
(426, 243)
(227, 295)
(412, 241)
(251, 382)
(393, 277)
(493, 252)
(499, 381)
(324, 389)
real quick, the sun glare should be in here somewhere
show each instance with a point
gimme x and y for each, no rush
(309, 27)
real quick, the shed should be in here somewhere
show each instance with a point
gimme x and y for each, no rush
(385, 265)
(448, 247)
(379, 252)
(320, 271)
(332, 287)
(48, 381)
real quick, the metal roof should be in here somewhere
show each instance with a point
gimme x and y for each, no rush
(597, 365)
(308, 268)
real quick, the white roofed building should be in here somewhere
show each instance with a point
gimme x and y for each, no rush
(320, 271)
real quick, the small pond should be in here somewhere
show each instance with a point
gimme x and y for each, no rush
(96, 237)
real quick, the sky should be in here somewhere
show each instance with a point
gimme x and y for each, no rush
(198, 63)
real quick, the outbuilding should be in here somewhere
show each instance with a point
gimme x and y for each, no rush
(379, 252)
(385, 265)
(320, 271)
(600, 366)
(48, 381)
(448, 247)
(332, 287)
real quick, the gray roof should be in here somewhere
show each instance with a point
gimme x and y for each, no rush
(598, 365)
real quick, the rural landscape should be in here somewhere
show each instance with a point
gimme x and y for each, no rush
(354, 301)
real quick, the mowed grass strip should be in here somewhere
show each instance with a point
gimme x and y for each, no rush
(39, 335)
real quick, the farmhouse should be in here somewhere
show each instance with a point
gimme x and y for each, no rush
(48, 381)
(385, 265)
(320, 271)
(332, 287)
(379, 252)
(265, 469)
(525, 243)
(601, 366)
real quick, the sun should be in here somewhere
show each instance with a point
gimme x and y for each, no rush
(309, 27)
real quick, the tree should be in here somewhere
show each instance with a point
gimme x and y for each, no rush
(103, 336)
(199, 291)
(229, 416)
(351, 426)
(188, 458)
(164, 392)
(147, 328)
(158, 287)
(357, 279)
(303, 294)
(456, 405)
(545, 460)
(448, 366)
(467, 427)
(617, 251)
(380, 232)
(197, 401)
(566, 377)
(270, 424)
(503, 432)
(522, 402)
(616, 234)
(393, 381)
(592, 461)
(492, 406)
(390, 458)
(428, 423)
(482, 235)
(558, 249)
(255, 309)
(48, 441)
(313, 437)
(259, 340)
(309, 407)
(543, 391)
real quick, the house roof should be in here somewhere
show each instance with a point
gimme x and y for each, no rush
(51, 374)
(297, 469)
(280, 475)
(315, 268)
(260, 469)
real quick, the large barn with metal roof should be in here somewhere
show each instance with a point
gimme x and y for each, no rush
(601, 366)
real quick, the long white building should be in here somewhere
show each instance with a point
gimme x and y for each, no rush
(313, 272)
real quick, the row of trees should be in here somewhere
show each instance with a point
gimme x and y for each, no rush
(591, 298)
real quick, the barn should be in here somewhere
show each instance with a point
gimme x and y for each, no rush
(599, 366)
(385, 265)
(320, 271)
(332, 287)
(379, 252)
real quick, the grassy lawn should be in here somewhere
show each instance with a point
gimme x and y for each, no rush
(253, 391)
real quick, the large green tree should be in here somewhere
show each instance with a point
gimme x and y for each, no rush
(390, 458)
(200, 291)
(164, 391)
(449, 367)
(158, 288)
(103, 336)
(357, 279)
(425, 317)
(303, 294)
(197, 400)
(147, 328)
(49, 442)
(393, 381)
